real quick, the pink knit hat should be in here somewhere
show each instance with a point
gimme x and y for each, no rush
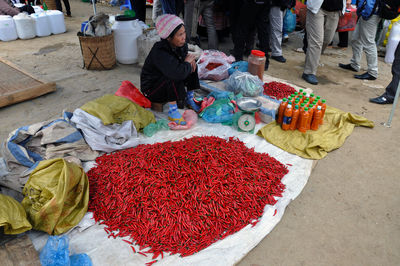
(166, 24)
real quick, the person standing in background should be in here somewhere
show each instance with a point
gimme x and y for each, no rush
(388, 96)
(234, 11)
(363, 39)
(276, 14)
(253, 14)
(321, 24)
(67, 7)
(193, 9)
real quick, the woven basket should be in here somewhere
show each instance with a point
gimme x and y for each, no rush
(51, 4)
(98, 52)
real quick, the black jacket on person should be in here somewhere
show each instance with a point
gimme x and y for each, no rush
(283, 4)
(165, 73)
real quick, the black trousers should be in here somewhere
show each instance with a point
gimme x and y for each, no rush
(343, 39)
(166, 90)
(139, 6)
(235, 7)
(392, 87)
(66, 4)
(252, 16)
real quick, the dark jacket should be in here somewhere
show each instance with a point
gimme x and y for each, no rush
(163, 62)
(283, 4)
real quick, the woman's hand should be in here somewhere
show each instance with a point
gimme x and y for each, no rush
(191, 59)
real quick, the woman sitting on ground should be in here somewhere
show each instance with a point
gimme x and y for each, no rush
(169, 68)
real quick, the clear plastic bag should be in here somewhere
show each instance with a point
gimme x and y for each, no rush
(245, 83)
(214, 65)
(153, 128)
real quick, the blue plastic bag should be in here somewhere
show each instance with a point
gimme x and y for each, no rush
(80, 260)
(242, 66)
(289, 21)
(55, 252)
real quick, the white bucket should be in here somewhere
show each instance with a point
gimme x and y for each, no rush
(25, 26)
(8, 32)
(56, 19)
(42, 24)
(126, 31)
(392, 43)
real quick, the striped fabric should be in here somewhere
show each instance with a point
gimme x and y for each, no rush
(166, 24)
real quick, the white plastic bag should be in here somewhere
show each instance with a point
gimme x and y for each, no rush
(105, 138)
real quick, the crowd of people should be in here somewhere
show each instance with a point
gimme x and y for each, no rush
(7, 7)
(172, 72)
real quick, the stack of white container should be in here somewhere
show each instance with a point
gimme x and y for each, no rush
(24, 26)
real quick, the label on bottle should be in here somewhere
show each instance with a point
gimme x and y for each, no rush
(287, 120)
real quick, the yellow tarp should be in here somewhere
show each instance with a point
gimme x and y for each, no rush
(337, 126)
(13, 216)
(56, 196)
(115, 109)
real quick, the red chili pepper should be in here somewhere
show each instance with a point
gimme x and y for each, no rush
(180, 197)
(278, 90)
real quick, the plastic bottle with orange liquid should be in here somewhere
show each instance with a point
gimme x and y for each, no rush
(287, 117)
(281, 110)
(317, 119)
(295, 117)
(323, 109)
(304, 120)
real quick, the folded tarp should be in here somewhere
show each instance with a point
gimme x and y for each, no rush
(28, 145)
(338, 125)
(111, 109)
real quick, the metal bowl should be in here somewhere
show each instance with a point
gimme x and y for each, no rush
(248, 104)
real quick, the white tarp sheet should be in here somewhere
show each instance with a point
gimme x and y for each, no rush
(108, 251)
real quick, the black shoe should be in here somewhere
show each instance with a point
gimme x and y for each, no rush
(380, 100)
(310, 78)
(366, 75)
(348, 67)
(279, 58)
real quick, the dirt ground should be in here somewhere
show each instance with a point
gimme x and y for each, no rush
(348, 213)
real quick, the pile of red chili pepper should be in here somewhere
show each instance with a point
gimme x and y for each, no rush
(278, 90)
(180, 197)
(212, 66)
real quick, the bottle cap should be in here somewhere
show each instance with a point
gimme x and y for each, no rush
(296, 107)
(304, 94)
(318, 97)
(312, 95)
(293, 95)
(301, 90)
(306, 109)
(311, 105)
(323, 101)
(296, 93)
(257, 53)
(297, 100)
(284, 100)
(302, 105)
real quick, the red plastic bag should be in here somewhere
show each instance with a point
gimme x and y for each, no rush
(348, 21)
(129, 91)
